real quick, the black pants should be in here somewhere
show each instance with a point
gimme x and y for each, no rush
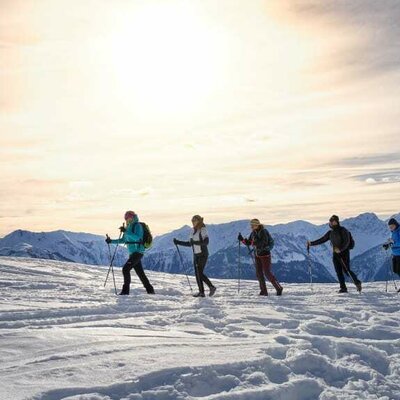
(396, 264)
(135, 262)
(200, 261)
(342, 266)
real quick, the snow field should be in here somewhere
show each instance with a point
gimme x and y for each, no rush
(63, 336)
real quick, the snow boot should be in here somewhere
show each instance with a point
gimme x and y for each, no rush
(263, 293)
(200, 294)
(213, 289)
(124, 291)
(279, 291)
(150, 290)
(342, 290)
(358, 286)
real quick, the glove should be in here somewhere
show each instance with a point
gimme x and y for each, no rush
(191, 241)
(308, 245)
(240, 237)
(122, 228)
(337, 250)
(175, 241)
(386, 246)
(108, 240)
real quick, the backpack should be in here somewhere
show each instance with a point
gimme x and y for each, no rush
(352, 242)
(271, 241)
(147, 236)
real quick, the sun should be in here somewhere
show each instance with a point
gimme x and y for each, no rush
(165, 58)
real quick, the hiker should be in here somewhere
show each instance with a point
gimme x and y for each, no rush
(341, 242)
(133, 234)
(394, 244)
(263, 243)
(198, 241)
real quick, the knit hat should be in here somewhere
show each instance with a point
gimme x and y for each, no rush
(129, 214)
(334, 218)
(255, 221)
(393, 221)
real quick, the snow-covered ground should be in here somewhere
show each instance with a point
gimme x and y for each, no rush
(62, 335)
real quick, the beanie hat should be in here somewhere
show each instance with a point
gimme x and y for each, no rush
(393, 221)
(255, 221)
(129, 214)
(334, 218)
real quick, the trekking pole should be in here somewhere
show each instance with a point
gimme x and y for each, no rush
(112, 268)
(387, 275)
(309, 267)
(183, 267)
(347, 270)
(111, 264)
(239, 267)
(195, 266)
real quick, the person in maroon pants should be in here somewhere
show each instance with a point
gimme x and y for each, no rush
(263, 243)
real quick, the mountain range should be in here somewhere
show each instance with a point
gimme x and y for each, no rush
(290, 259)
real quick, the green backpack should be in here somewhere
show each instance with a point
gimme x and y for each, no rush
(147, 236)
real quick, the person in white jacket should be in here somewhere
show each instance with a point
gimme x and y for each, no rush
(199, 240)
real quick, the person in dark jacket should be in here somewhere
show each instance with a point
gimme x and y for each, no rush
(394, 243)
(341, 241)
(133, 238)
(198, 241)
(262, 242)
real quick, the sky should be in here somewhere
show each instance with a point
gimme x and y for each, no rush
(231, 109)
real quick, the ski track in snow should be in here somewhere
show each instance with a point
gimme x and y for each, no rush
(63, 336)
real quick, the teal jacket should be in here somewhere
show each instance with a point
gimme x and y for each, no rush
(133, 233)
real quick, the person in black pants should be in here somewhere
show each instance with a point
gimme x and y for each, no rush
(199, 240)
(342, 242)
(133, 238)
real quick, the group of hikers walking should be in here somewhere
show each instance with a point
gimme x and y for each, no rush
(137, 237)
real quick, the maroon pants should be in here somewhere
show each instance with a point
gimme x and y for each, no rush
(263, 268)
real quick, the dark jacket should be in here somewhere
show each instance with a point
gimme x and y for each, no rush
(261, 240)
(339, 238)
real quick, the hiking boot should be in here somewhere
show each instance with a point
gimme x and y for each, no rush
(124, 291)
(150, 290)
(213, 289)
(342, 290)
(358, 286)
(263, 293)
(279, 291)
(200, 294)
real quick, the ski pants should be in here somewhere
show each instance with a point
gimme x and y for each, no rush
(200, 261)
(263, 268)
(342, 266)
(135, 262)
(396, 264)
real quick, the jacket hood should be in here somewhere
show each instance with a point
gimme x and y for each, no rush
(135, 219)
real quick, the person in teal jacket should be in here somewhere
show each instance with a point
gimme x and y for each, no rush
(133, 238)
(394, 244)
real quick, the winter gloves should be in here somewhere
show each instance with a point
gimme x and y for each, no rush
(240, 237)
(108, 239)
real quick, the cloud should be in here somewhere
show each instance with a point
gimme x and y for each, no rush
(382, 177)
(373, 25)
(141, 192)
(372, 159)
